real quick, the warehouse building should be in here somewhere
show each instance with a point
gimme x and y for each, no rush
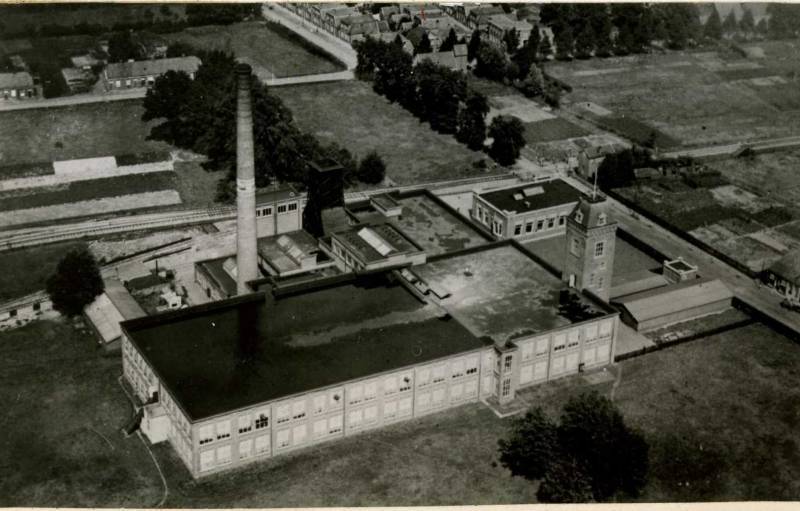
(690, 299)
(298, 364)
(527, 212)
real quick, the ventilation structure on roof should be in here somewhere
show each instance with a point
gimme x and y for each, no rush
(290, 248)
(533, 190)
(375, 241)
(518, 196)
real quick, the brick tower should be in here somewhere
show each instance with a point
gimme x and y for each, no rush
(591, 236)
(246, 250)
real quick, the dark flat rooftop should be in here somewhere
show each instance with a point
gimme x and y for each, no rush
(220, 357)
(541, 195)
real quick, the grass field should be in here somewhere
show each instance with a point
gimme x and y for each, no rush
(720, 413)
(62, 415)
(772, 175)
(685, 96)
(27, 269)
(352, 115)
(80, 131)
(89, 189)
(262, 46)
(549, 130)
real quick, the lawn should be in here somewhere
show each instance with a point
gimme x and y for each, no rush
(275, 50)
(63, 411)
(27, 269)
(684, 96)
(79, 131)
(352, 115)
(549, 130)
(77, 191)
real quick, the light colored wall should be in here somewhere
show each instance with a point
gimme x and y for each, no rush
(532, 218)
(279, 222)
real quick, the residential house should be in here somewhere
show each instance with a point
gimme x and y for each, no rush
(455, 59)
(78, 80)
(19, 86)
(478, 17)
(498, 24)
(143, 73)
(356, 28)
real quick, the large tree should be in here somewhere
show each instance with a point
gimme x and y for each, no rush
(474, 45)
(122, 47)
(748, 23)
(424, 45)
(531, 446)
(472, 121)
(729, 25)
(449, 41)
(75, 283)
(491, 63)
(565, 43)
(526, 56)
(508, 139)
(511, 40)
(713, 27)
(566, 482)
(534, 83)
(372, 169)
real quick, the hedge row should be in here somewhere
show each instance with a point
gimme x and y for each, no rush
(141, 158)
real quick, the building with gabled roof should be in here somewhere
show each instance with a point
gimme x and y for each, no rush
(143, 73)
(113, 306)
(784, 275)
(19, 85)
(455, 59)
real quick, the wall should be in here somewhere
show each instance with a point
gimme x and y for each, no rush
(683, 315)
(532, 225)
(278, 217)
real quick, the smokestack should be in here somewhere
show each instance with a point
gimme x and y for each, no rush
(246, 259)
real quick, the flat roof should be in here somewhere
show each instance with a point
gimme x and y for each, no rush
(275, 193)
(14, 80)
(215, 270)
(220, 357)
(300, 245)
(154, 67)
(498, 291)
(532, 196)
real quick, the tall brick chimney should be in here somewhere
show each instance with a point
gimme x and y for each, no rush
(246, 257)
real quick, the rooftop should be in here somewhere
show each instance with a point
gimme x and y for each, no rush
(375, 242)
(275, 193)
(152, 67)
(499, 291)
(674, 298)
(15, 80)
(240, 352)
(215, 270)
(286, 252)
(788, 266)
(532, 197)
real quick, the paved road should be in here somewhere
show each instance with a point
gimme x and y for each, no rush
(743, 286)
(341, 49)
(728, 150)
(79, 99)
(325, 77)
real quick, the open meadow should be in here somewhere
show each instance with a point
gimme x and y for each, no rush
(720, 412)
(693, 99)
(352, 115)
(269, 48)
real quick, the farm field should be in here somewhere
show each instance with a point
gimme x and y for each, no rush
(734, 438)
(692, 98)
(772, 175)
(751, 229)
(272, 50)
(352, 115)
(31, 268)
(79, 131)
(549, 130)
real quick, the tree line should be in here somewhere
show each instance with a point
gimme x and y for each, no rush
(439, 96)
(200, 115)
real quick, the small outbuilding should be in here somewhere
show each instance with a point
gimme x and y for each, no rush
(675, 303)
(109, 309)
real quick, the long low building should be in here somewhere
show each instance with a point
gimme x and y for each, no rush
(18, 85)
(297, 364)
(675, 303)
(143, 73)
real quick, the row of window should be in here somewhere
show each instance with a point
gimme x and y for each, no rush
(282, 208)
(540, 347)
(541, 224)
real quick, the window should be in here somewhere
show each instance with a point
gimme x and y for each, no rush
(283, 439)
(561, 220)
(575, 246)
(559, 342)
(205, 434)
(335, 399)
(356, 394)
(299, 434)
(282, 413)
(37, 306)
(506, 390)
(223, 430)
(529, 227)
(574, 339)
(472, 365)
(267, 211)
(457, 369)
(517, 229)
(370, 391)
(551, 222)
(355, 418)
(206, 460)
(601, 219)
(599, 248)
(258, 213)
(539, 225)
(335, 424)
(292, 206)
(320, 428)
(590, 333)
(579, 216)
(298, 410)
(245, 449)
(438, 373)
(12, 313)
(224, 455)
(507, 362)
(558, 365)
(262, 420)
(390, 385)
(599, 284)
(405, 382)
(370, 414)
(282, 209)
(319, 403)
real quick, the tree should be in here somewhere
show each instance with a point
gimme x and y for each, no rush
(552, 94)
(75, 283)
(762, 28)
(594, 433)
(508, 134)
(546, 47)
(439, 93)
(511, 40)
(122, 48)
(372, 169)
(564, 43)
(713, 28)
(532, 445)
(167, 99)
(566, 482)
(585, 42)
(748, 23)
(526, 56)
(449, 42)
(424, 45)
(533, 84)
(179, 49)
(729, 26)
(472, 121)
(474, 45)
(491, 63)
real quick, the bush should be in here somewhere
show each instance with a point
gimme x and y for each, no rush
(140, 158)
(372, 169)
(75, 283)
